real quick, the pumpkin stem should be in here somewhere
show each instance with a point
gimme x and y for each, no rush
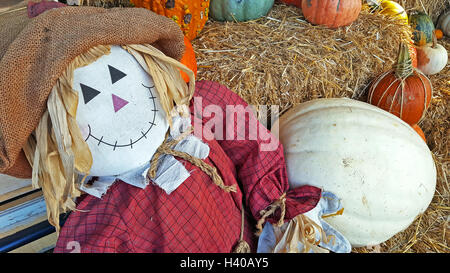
(434, 39)
(404, 67)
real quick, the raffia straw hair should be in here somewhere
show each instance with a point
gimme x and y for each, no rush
(304, 231)
(168, 81)
(57, 151)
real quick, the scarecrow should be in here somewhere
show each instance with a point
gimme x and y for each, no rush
(95, 111)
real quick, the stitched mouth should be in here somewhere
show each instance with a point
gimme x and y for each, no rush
(130, 144)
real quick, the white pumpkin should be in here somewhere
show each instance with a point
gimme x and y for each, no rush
(444, 23)
(377, 164)
(431, 59)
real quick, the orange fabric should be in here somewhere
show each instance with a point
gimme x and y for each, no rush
(188, 59)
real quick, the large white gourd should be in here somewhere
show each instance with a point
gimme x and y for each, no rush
(377, 164)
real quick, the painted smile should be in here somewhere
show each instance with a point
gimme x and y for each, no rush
(142, 135)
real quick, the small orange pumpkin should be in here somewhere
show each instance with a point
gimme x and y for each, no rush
(403, 91)
(439, 34)
(419, 131)
(190, 15)
(188, 59)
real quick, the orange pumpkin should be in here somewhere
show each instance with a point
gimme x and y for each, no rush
(439, 34)
(188, 59)
(403, 91)
(419, 131)
(190, 15)
(331, 13)
(413, 54)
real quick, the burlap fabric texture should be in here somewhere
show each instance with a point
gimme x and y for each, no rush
(35, 51)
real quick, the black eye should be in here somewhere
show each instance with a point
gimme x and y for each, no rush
(116, 74)
(88, 93)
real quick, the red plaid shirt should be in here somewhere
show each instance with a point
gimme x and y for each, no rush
(198, 216)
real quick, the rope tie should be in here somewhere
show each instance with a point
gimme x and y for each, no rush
(166, 148)
(242, 246)
(403, 68)
(280, 203)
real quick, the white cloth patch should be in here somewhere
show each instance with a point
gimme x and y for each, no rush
(98, 188)
(101, 184)
(72, 2)
(171, 173)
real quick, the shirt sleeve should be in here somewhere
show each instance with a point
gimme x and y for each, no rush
(256, 153)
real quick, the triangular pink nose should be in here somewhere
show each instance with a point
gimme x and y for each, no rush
(118, 102)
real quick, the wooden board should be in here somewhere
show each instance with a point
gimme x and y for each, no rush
(11, 187)
(6, 4)
(20, 200)
(21, 216)
(39, 246)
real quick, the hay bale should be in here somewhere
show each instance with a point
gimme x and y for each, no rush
(432, 7)
(282, 60)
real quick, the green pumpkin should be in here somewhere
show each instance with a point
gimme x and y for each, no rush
(423, 28)
(239, 10)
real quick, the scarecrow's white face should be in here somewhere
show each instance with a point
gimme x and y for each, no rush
(119, 113)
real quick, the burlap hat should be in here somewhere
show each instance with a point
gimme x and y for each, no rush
(35, 51)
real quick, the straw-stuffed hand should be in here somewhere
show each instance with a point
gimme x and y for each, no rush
(306, 232)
